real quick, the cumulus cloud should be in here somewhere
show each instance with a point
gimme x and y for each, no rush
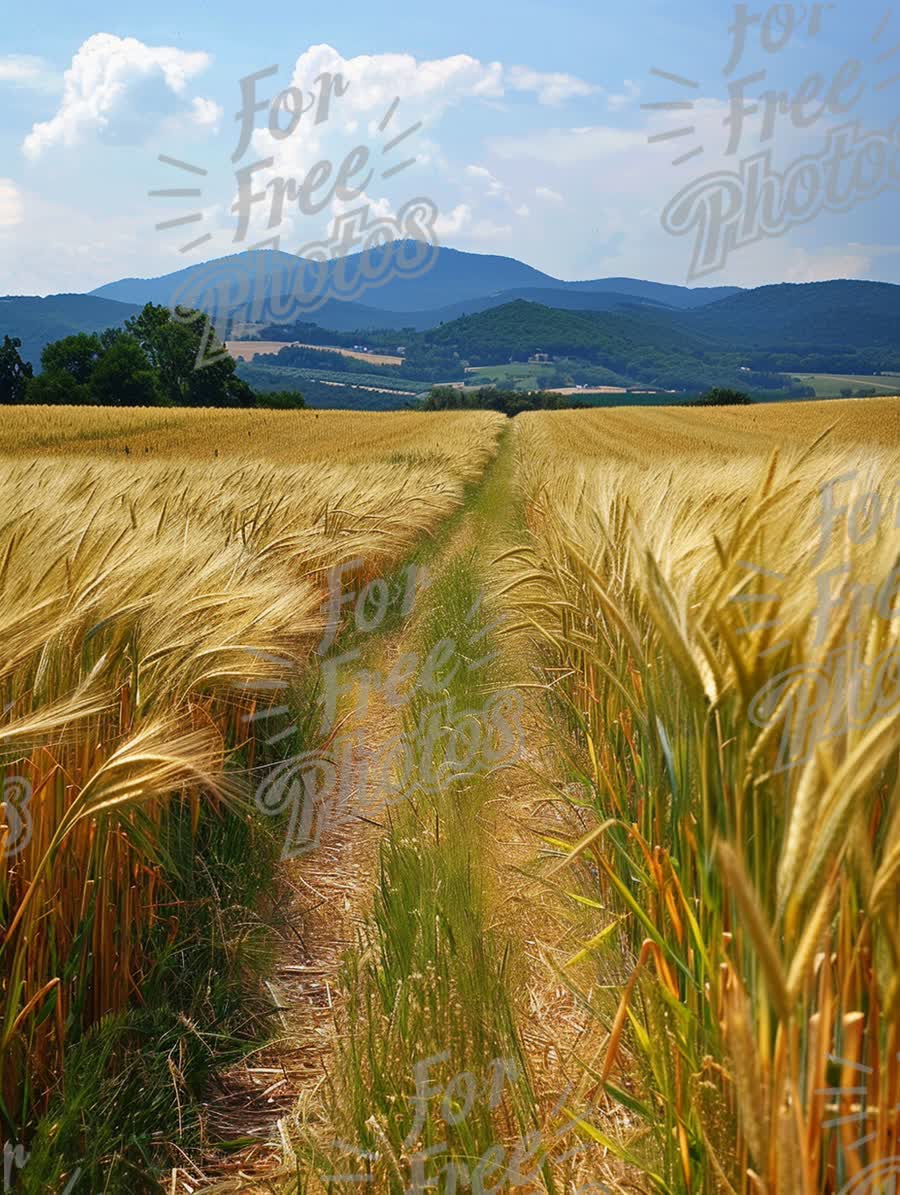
(441, 81)
(376, 79)
(380, 106)
(121, 89)
(385, 106)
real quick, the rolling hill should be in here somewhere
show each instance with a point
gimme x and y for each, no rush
(815, 327)
(357, 317)
(741, 338)
(823, 314)
(38, 321)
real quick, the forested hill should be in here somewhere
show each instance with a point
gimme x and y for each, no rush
(39, 321)
(820, 314)
(827, 326)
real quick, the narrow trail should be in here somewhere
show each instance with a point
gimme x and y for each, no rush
(531, 908)
(500, 939)
(325, 896)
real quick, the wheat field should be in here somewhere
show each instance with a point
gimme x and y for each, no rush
(726, 666)
(162, 575)
(707, 599)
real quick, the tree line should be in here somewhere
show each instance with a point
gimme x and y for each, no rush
(158, 358)
(515, 402)
(490, 398)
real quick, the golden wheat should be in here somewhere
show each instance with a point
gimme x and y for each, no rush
(162, 575)
(730, 664)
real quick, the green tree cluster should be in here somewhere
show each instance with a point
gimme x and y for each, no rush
(722, 397)
(159, 358)
(489, 398)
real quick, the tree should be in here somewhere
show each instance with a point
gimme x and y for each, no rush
(190, 373)
(281, 400)
(152, 361)
(14, 372)
(719, 397)
(123, 376)
(109, 368)
(67, 366)
(75, 355)
(57, 389)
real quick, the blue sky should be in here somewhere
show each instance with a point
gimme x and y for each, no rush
(531, 135)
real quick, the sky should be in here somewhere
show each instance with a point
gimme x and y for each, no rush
(530, 130)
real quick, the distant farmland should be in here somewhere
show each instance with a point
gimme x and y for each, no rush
(246, 350)
(830, 385)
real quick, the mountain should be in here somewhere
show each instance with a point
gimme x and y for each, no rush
(268, 286)
(560, 297)
(658, 292)
(233, 277)
(823, 327)
(744, 338)
(357, 317)
(38, 321)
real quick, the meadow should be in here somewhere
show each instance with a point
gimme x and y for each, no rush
(672, 918)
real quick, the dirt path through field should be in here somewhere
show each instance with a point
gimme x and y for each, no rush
(297, 1099)
(557, 1033)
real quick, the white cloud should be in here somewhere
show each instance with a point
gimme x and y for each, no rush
(56, 247)
(367, 117)
(363, 113)
(12, 205)
(376, 79)
(493, 185)
(453, 223)
(548, 194)
(206, 113)
(616, 102)
(28, 71)
(121, 90)
(552, 89)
